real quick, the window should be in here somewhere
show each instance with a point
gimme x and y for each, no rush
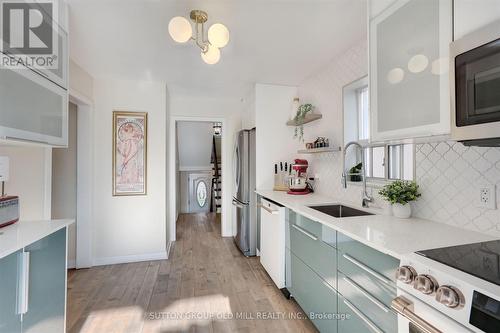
(390, 162)
(363, 113)
(201, 193)
(382, 161)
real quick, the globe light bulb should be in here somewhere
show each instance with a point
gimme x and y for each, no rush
(218, 35)
(418, 63)
(211, 56)
(180, 29)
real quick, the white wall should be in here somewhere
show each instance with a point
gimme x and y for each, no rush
(185, 107)
(131, 227)
(80, 81)
(324, 89)
(470, 15)
(30, 170)
(274, 139)
(194, 144)
(64, 180)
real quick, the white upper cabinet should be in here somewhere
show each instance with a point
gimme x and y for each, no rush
(34, 101)
(409, 83)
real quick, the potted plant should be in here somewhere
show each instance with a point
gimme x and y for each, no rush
(355, 173)
(299, 118)
(400, 193)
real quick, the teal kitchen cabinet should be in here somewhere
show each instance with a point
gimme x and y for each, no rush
(330, 274)
(316, 297)
(10, 318)
(367, 284)
(313, 270)
(307, 242)
(47, 285)
(355, 321)
(33, 287)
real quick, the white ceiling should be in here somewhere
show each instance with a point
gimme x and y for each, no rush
(272, 41)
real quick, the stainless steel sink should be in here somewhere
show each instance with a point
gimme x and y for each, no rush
(340, 211)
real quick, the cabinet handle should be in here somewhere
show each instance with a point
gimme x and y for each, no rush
(13, 138)
(237, 204)
(22, 302)
(361, 316)
(369, 270)
(269, 210)
(308, 234)
(375, 301)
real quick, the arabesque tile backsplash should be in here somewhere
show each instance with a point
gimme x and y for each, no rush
(449, 175)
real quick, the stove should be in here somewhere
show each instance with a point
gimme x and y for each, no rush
(450, 289)
(480, 259)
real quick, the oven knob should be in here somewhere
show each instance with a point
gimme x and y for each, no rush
(406, 274)
(450, 296)
(425, 284)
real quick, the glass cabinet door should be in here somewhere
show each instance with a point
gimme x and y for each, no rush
(10, 320)
(47, 285)
(409, 62)
(32, 108)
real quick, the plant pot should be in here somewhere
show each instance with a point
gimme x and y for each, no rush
(401, 211)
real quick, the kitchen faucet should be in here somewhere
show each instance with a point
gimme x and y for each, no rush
(366, 197)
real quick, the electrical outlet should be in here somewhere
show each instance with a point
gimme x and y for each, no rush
(487, 197)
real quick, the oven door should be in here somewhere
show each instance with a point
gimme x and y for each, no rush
(414, 316)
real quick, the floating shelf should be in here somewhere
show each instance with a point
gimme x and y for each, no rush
(307, 119)
(319, 150)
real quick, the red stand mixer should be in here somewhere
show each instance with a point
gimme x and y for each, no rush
(297, 181)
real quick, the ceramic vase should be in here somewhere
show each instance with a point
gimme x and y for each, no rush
(401, 211)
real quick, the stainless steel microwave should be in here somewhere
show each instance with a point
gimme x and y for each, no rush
(475, 87)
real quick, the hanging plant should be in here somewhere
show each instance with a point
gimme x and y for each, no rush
(302, 111)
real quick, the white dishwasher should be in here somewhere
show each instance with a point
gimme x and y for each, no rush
(272, 240)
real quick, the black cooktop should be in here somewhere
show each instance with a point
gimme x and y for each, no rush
(479, 259)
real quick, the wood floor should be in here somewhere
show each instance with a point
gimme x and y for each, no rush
(207, 285)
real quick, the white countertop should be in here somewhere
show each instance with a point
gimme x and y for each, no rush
(18, 235)
(386, 234)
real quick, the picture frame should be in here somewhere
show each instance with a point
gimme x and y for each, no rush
(130, 131)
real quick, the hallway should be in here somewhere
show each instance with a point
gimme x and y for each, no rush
(204, 286)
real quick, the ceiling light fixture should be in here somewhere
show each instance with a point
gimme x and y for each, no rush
(181, 31)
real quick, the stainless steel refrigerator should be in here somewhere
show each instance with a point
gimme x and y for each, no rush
(244, 197)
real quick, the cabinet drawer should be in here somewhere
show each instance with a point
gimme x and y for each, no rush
(320, 231)
(371, 305)
(355, 320)
(314, 295)
(319, 256)
(381, 265)
(381, 288)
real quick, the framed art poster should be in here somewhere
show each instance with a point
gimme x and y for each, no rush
(129, 153)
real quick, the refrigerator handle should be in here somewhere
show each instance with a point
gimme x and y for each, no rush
(237, 204)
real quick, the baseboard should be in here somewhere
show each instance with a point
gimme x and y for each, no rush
(71, 264)
(131, 258)
(169, 247)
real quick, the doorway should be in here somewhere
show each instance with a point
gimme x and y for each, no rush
(197, 163)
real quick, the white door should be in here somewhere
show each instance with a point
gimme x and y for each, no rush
(199, 192)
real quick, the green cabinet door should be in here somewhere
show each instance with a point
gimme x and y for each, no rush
(314, 295)
(47, 285)
(355, 321)
(10, 320)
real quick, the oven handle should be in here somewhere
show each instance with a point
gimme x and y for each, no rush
(404, 307)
